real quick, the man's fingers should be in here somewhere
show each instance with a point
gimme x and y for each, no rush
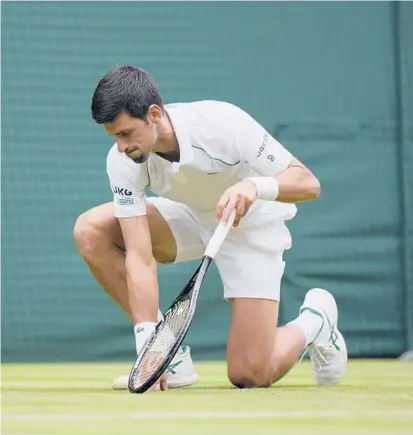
(228, 210)
(240, 210)
(237, 203)
(233, 198)
(164, 382)
(222, 204)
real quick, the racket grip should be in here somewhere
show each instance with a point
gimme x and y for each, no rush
(219, 236)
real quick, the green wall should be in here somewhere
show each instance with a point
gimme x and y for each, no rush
(332, 81)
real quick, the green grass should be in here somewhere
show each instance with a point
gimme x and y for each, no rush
(375, 397)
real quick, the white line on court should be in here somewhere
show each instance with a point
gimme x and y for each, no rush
(207, 415)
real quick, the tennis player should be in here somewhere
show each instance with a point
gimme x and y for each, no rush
(203, 159)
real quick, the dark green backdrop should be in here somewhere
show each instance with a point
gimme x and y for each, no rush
(332, 81)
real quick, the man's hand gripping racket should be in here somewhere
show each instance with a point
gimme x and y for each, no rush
(162, 345)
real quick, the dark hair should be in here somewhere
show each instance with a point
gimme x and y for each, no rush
(127, 89)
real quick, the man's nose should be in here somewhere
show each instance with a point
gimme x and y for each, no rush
(122, 145)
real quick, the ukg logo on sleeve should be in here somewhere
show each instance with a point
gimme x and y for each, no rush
(121, 191)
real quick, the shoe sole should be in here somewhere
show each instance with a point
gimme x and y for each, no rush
(188, 380)
(185, 381)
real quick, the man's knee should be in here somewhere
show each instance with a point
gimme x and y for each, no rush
(84, 233)
(251, 342)
(93, 229)
(98, 229)
(250, 373)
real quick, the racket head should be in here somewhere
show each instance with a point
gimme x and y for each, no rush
(163, 344)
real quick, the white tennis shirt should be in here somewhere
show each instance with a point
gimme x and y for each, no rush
(220, 144)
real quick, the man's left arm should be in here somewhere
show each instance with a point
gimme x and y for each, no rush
(296, 183)
(275, 174)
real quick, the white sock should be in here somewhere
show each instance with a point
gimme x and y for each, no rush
(310, 324)
(142, 332)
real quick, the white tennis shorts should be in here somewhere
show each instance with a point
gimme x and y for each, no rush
(250, 261)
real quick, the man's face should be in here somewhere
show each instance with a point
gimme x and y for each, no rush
(135, 137)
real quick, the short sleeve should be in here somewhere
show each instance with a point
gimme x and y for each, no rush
(258, 149)
(128, 184)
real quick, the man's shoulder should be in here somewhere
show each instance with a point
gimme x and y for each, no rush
(183, 104)
(212, 125)
(208, 117)
(206, 106)
(117, 162)
(114, 157)
(113, 152)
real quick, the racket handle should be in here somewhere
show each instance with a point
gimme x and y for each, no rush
(219, 236)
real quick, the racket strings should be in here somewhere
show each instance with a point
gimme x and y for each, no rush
(165, 339)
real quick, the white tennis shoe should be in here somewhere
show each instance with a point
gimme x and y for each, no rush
(328, 352)
(180, 372)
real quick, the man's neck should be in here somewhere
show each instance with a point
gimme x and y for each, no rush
(167, 145)
(172, 156)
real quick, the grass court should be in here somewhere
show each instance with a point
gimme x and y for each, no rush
(375, 397)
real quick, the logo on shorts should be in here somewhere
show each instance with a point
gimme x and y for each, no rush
(121, 191)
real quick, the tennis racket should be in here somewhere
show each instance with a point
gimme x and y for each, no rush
(162, 345)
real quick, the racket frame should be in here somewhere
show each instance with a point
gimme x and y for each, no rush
(191, 290)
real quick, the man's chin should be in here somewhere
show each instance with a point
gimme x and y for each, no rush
(140, 159)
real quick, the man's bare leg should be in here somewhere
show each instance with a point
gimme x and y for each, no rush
(99, 240)
(259, 353)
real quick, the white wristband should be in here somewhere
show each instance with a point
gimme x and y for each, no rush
(267, 187)
(142, 332)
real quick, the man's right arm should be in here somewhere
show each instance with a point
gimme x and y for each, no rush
(128, 181)
(142, 280)
(141, 270)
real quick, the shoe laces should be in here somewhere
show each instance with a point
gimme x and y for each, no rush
(317, 356)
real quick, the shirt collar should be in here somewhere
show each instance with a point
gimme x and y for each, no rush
(186, 153)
